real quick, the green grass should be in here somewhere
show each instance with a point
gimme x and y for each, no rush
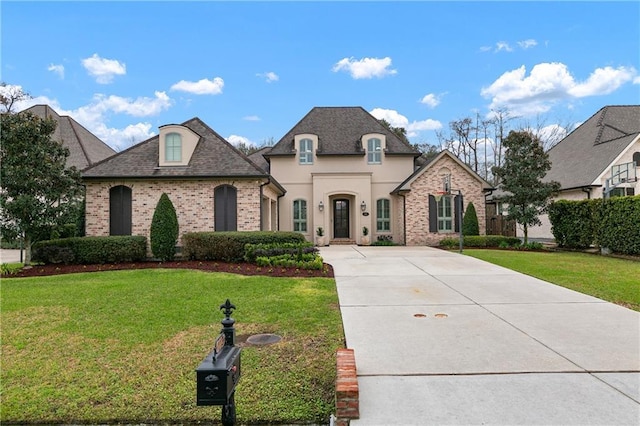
(123, 346)
(611, 279)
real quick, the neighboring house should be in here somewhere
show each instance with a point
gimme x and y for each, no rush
(85, 149)
(344, 171)
(212, 185)
(603, 151)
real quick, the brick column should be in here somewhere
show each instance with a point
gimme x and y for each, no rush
(347, 393)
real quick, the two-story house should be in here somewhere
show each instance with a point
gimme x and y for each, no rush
(344, 172)
(337, 169)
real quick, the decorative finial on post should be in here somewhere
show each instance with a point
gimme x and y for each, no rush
(227, 323)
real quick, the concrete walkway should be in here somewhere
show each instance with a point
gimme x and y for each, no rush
(442, 338)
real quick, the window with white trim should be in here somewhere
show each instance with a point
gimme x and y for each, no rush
(445, 214)
(306, 151)
(383, 215)
(173, 147)
(374, 151)
(300, 216)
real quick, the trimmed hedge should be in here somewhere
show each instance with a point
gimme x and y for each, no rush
(229, 246)
(481, 241)
(91, 250)
(618, 227)
(572, 223)
(611, 223)
(253, 251)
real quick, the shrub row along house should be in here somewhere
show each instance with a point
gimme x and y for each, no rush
(338, 169)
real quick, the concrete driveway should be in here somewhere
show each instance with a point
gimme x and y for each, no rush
(442, 338)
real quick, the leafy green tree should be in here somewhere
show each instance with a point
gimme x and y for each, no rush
(164, 229)
(38, 193)
(470, 221)
(525, 164)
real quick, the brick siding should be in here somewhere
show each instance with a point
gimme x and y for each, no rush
(428, 183)
(192, 199)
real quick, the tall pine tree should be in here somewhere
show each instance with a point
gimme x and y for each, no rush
(525, 164)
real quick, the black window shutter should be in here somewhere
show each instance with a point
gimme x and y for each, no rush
(457, 212)
(225, 208)
(433, 214)
(120, 210)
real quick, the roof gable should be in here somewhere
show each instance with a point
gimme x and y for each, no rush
(213, 157)
(582, 156)
(340, 131)
(85, 149)
(406, 185)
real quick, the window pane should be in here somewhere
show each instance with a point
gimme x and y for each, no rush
(173, 147)
(306, 151)
(374, 147)
(300, 216)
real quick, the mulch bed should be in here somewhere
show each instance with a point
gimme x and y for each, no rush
(208, 266)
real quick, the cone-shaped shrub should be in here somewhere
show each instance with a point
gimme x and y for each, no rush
(470, 221)
(164, 230)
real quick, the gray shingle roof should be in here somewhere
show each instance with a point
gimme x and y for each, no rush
(258, 158)
(578, 159)
(212, 157)
(85, 149)
(339, 131)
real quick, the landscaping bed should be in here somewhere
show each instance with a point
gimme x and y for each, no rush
(209, 266)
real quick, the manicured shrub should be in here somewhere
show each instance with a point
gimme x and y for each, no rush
(572, 222)
(618, 226)
(90, 250)
(470, 221)
(480, 241)
(164, 229)
(229, 246)
(253, 251)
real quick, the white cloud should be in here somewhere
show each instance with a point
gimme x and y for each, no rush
(139, 107)
(430, 100)
(636, 80)
(269, 76)
(549, 83)
(603, 81)
(396, 119)
(251, 118)
(120, 139)
(103, 69)
(365, 67)
(526, 44)
(236, 140)
(503, 45)
(393, 117)
(201, 87)
(57, 69)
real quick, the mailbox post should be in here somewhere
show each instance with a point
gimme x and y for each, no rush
(219, 373)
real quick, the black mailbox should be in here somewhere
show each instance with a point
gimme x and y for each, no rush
(217, 379)
(218, 374)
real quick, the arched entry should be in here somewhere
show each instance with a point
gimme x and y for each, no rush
(341, 218)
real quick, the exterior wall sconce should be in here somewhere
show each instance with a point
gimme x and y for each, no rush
(363, 206)
(321, 206)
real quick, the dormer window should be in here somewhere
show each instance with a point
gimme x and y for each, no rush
(374, 151)
(173, 147)
(306, 151)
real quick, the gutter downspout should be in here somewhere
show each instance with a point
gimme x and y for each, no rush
(261, 196)
(588, 192)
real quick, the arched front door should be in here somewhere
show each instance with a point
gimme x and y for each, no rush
(341, 218)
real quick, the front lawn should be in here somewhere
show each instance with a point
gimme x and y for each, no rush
(122, 346)
(611, 279)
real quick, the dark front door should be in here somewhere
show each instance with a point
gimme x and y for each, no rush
(340, 218)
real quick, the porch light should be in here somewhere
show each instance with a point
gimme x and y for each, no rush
(321, 206)
(363, 206)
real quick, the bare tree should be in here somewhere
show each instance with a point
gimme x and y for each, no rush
(548, 134)
(9, 95)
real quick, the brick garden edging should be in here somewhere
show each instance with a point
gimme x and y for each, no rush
(347, 393)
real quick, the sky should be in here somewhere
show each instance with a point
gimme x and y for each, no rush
(252, 70)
